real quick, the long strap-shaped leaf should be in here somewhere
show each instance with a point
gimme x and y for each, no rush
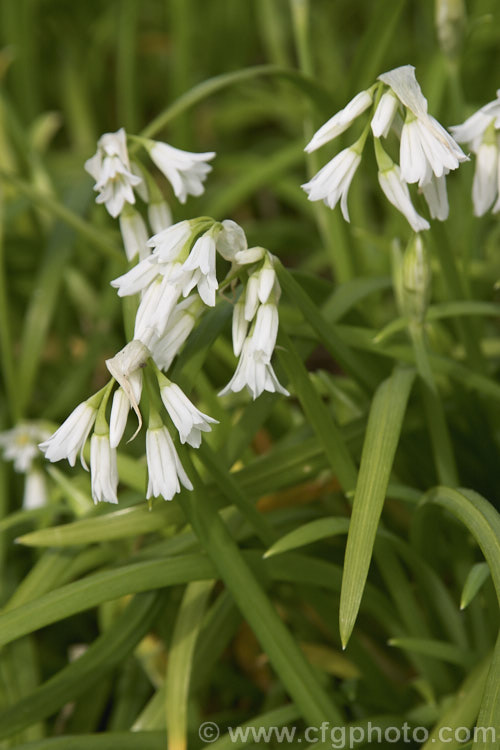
(106, 652)
(180, 660)
(284, 654)
(483, 521)
(381, 440)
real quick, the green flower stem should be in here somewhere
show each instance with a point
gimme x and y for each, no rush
(440, 437)
(101, 239)
(101, 423)
(330, 225)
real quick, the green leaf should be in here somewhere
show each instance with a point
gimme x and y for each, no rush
(180, 660)
(381, 440)
(441, 650)
(102, 741)
(104, 654)
(476, 578)
(120, 524)
(322, 528)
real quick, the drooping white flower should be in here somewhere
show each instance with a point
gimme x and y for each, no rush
(35, 490)
(485, 183)
(426, 147)
(70, 438)
(436, 197)
(199, 269)
(239, 326)
(134, 234)
(164, 466)
(103, 469)
(472, 131)
(254, 373)
(265, 331)
(396, 190)
(20, 444)
(185, 171)
(159, 215)
(189, 421)
(126, 368)
(158, 301)
(180, 324)
(384, 115)
(332, 183)
(110, 167)
(231, 240)
(168, 243)
(340, 121)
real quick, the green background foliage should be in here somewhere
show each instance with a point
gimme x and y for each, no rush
(224, 604)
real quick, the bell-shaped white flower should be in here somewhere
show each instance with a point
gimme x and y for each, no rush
(340, 121)
(436, 197)
(35, 490)
(185, 171)
(332, 183)
(164, 466)
(199, 269)
(159, 215)
(180, 324)
(472, 131)
(70, 438)
(384, 115)
(231, 240)
(134, 234)
(239, 326)
(20, 444)
(103, 469)
(265, 331)
(254, 373)
(396, 190)
(158, 302)
(110, 167)
(189, 421)
(426, 147)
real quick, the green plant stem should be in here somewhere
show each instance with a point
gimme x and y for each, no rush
(101, 239)
(126, 80)
(441, 442)
(331, 228)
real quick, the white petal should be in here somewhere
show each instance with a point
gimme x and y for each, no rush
(340, 121)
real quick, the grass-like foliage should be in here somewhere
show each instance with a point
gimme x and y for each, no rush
(310, 546)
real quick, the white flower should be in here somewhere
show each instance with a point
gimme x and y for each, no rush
(265, 331)
(426, 148)
(126, 368)
(158, 302)
(199, 269)
(340, 121)
(110, 167)
(103, 469)
(473, 129)
(185, 171)
(485, 184)
(332, 183)
(35, 490)
(231, 240)
(70, 438)
(189, 421)
(250, 255)
(164, 466)
(118, 418)
(437, 198)
(396, 191)
(384, 115)
(134, 234)
(160, 216)
(180, 324)
(254, 373)
(20, 444)
(137, 279)
(169, 243)
(239, 326)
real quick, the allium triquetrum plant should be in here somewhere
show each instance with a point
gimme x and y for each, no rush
(250, 410)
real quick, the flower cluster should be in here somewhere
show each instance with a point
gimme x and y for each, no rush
(427, 153)
(20, 445)
(481, 133)
(175, 278)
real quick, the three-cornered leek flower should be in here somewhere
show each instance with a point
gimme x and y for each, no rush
(110, 168)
